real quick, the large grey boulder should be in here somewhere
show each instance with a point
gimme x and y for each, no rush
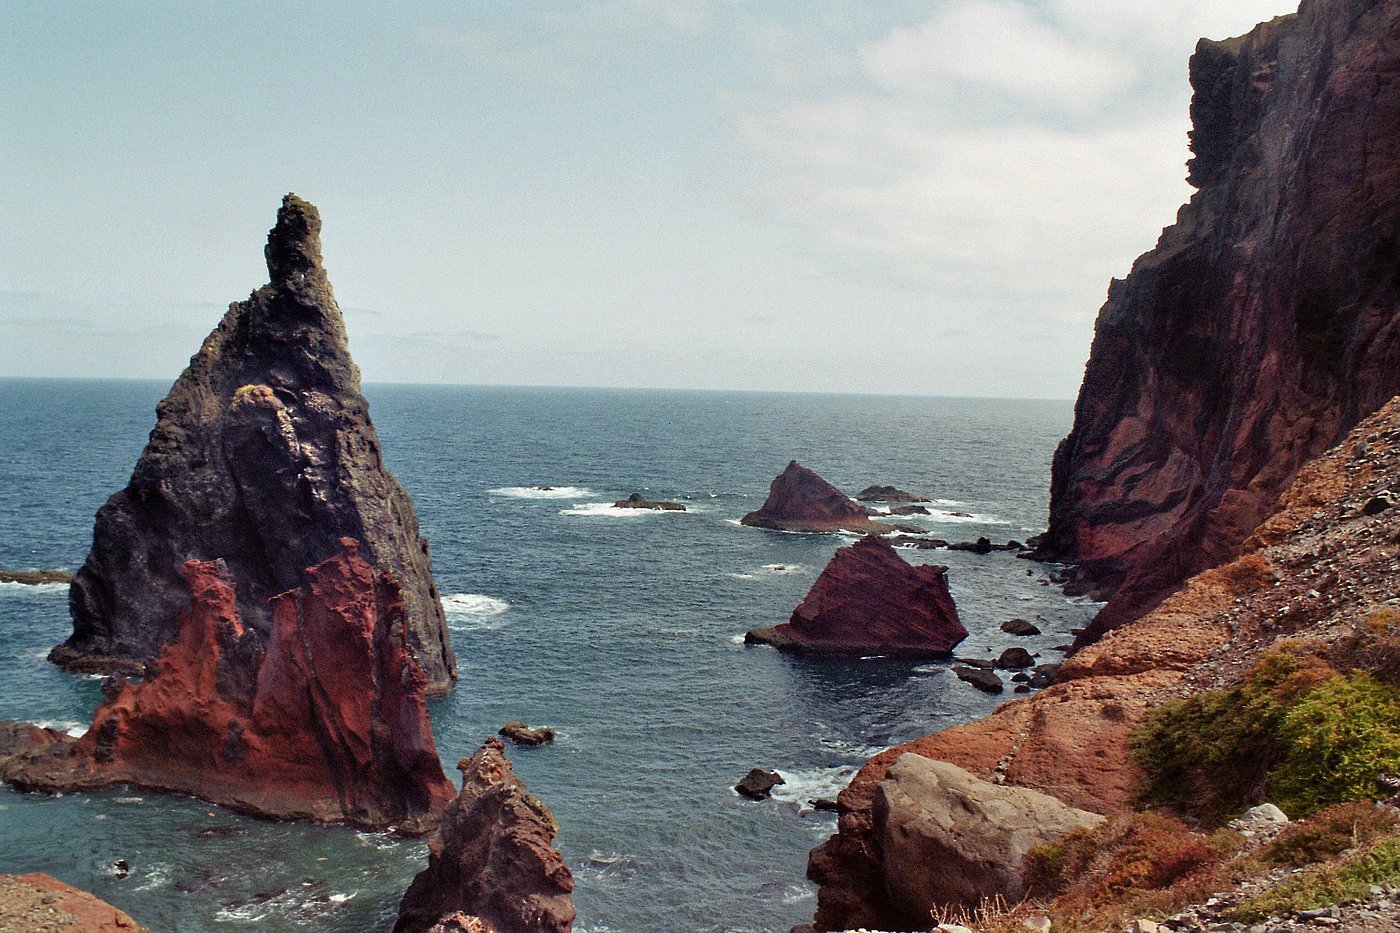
(946, 837)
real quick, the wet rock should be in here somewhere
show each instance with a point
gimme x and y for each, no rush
(887, 494)
(1014, 659)
(758, 784)
(908, 510)
(980, 546)
(1019, 627)
(800, 500)
(35, 577)
(521, 734)
(983, 680)
(636, 501)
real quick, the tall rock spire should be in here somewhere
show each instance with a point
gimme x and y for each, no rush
(263, 456)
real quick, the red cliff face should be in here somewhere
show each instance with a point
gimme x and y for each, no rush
(867, 600)
(492, 863)
(800, 500)
(323, 718)
(1264, 324)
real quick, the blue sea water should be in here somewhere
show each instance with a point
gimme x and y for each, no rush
(619, 628)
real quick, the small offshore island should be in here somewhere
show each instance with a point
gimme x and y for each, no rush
(1218, 748)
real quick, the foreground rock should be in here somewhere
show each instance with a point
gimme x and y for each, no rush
(888, 494)
(492, 861)
(1315, 568)
(263, 456)
(800, 500)
(867, 600)
(944, 837)
(1263, 325)
(39, 903)
(35, 577)
(322, 718)
(635, 501)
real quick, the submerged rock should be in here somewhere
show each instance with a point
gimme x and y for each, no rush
(263, 456)
(635, 501)
(492, 860)
(800, 500)
(758, 784)
(888, 494)
(868, 600)
(1261, 328)
(323, 717)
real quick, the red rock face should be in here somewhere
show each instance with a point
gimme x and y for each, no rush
(1262, 327)
(800, 500)
(323, 718)
(492, 864)
(867, 600)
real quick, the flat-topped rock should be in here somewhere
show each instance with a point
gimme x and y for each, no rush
(636, 501)
(888, 494)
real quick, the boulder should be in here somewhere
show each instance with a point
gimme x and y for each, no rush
(800, 500)
(980, 546)
(945, 838)
(868, 600)
(908, 510)
(1015, 659)
(263, 456)
(1019, 627)
(888, 494)
(492, 860)
(521, 734)
(1378, 503)
(980, 678)
(758, 784)
(322, 717)
(636, 501)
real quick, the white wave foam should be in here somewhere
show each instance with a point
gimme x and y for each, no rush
(797, 893)
(805, 785)
(744, 576)
(157, 877)
(75, 729)
(734, 521)
(784, 568)
(542, 492)
(31, 589)
(953, 517)
(466, 611)
(607, 509)
(737, 639)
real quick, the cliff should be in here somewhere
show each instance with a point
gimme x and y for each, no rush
(322, 717)
(800, 500)
(868, 600)
(1264, 324)
(263, 456)
(1319, 567)
(492, 865)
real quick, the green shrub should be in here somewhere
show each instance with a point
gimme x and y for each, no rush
(1328, 834)
(1325, 885)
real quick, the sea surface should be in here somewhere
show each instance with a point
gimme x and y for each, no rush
(622, 629)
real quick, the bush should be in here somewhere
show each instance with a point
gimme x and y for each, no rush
(1328, 834)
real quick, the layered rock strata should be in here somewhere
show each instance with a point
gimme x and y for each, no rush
(492, 864)
(1264, 324)
(263, 456)
(868, 600)
(1317, 567)
(323, 717)
(800, 500)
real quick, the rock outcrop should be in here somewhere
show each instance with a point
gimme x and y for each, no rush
(637, 501)
(492, 860)
(800, 500)
(322, 717)
(1264, 324)
(943, 837)
(867, 600)
(35, 577)
(263, 456)
(38, 903)
(1318, 566)
(887, 494)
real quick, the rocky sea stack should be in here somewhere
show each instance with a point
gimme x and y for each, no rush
(322, 718)
(1264, 324)
(263, 457)
(800, 500)
(492, 865)
(868, 600)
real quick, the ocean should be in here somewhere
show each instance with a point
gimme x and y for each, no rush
(621, 629)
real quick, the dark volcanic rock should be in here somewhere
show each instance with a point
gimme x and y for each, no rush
(980, 678)
(323, 717)
(521, 734)
(800, 500)
(35, 577)
(980, 546)
(635, 501)
(908, 510)
(1019, 627)
(1014, 659)
(888, 494)
(263, 456)
(492, 859)
(758, 784)
(867, 600)
(1264, 324)
(919, 543)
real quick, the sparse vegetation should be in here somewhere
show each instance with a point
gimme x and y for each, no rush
(1328, 834)
(1330, 883)
(1249, 573)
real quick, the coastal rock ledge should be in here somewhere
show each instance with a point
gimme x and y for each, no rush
(263, 456)
(492, 865)
(321, 718)
(868, 600)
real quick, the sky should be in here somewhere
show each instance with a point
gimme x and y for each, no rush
(882, 197)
